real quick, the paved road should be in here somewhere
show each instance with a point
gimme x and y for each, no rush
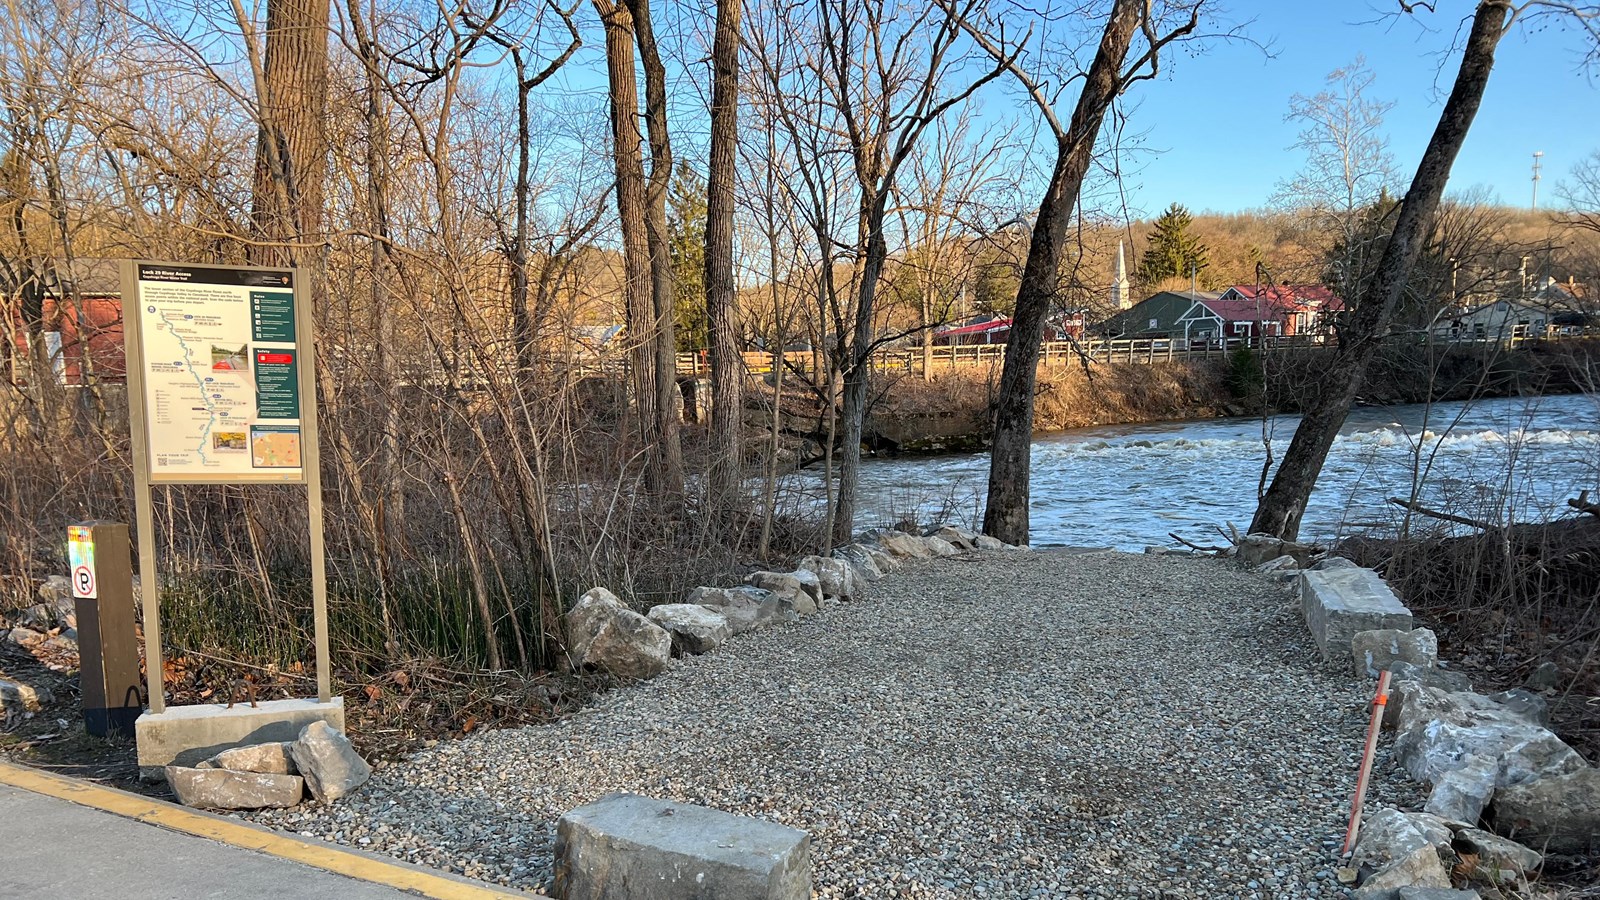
(57, 849)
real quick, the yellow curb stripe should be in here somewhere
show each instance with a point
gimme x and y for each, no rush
(249, 837)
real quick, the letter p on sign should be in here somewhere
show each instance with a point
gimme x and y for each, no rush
(80, 558)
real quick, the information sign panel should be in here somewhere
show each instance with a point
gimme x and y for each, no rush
(219, 363)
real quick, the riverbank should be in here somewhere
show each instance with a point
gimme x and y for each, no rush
(949, 412)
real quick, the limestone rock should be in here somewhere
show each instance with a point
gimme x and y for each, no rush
(1419, 868)
(604, 634)
(1461, 794)
(694, 628)
(629, 846)
(904, 546)
(1499, 861)
(1255, 549)
(227, 789)
(1559, 812)
(1333, 562)
(1527, 704)
(836, 577)
(1277, 565)
(24, 637)
(1433, 893)
(800, 591)
(940, 546)
(1338, 604)
(17, 698)
(744, 608)
(1377, 651)
(1407, 684)
(1403, 849)
(1440, 731)
(885, 563)
(988, 544)
(271, 758)
(960, 538)
(330, 766)
(859, 556)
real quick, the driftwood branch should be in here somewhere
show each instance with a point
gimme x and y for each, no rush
(1193, 546)
(1581, 504)
(1421, 510)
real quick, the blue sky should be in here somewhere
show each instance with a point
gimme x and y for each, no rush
(1216, 119)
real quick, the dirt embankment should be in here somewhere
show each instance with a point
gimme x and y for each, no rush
(950, 412)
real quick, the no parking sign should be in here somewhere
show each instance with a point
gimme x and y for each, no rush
(80, 559)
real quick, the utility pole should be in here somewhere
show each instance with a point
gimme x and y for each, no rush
(1536, 167)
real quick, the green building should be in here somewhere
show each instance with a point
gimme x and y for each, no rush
(1155, 316)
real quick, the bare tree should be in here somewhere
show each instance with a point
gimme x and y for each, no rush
(1348, 165)
(1006, 516)
(722, 313)
(1285, 501)
(1580, 194)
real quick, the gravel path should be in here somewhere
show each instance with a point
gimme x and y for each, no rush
(1053, 724)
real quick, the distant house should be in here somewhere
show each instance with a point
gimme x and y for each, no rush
(1156, 316)
(993, 330)
(80, 326)
(1497, 320)
(1248, 312)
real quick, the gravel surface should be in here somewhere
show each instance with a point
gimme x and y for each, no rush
(1052, 724)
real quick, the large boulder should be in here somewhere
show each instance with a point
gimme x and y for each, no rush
(859, 556)
(958, 537)
(16, 697)
(604, 634)
(1558, 812)
(1492, 860)
(227, 789)
(694, 628)
(1255, 549)
(885, 563)
(744, 608)
(988, 543)
(1402, 849)
(271, 758)
(905, 546)
(629, 846)
(1338, 604)
(799, 591)
(331, 767)
(1440, 732)
(836, 577)
(1460, 795)
(940, 546)
(1377, 651)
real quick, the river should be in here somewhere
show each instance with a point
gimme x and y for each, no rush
(1128, 486)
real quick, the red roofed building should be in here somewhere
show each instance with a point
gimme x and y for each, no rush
(1250, 312)
(82, 318)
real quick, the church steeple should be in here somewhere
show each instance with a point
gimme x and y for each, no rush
(1120, 297)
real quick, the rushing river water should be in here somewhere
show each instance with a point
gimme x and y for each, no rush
(1127, 486)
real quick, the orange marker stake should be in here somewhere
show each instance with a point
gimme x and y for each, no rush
(1373, 725)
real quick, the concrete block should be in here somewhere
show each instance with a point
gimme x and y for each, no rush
(1339, 603)
(627, 847)
(190, 735)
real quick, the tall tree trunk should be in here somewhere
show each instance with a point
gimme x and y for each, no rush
(292, 143)
(727, 396)
(1006, 516)
(668, 397)
(1283, 506)
(637, 280)
(857, 368)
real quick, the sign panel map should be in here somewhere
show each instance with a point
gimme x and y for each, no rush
(221, 369)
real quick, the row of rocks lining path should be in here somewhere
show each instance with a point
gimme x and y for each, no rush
(1051, 724)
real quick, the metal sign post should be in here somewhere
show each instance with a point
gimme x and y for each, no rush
(221, 390)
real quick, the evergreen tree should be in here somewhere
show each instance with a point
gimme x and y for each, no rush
(1174, 250)
(686, 234)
